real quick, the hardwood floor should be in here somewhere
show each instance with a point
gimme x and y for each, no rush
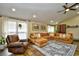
(6, 53)
(76, 42)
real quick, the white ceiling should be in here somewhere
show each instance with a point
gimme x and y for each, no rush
(44, 11)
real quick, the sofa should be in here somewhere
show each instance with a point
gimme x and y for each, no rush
(42, 38)
(65, 38)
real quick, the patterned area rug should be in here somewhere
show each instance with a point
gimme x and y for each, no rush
(54, 48)
(37, 53)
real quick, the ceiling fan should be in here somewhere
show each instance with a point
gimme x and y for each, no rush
(68, 8)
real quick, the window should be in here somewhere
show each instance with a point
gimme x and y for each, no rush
(9, 28)
(22, 30)
(12, 27)
(50, 28)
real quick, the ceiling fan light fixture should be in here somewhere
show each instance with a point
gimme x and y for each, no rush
(13, 9)
(67, 9)
(56, 22)
(77, 6)
(77, 12)
(51, 21)
(34, 16)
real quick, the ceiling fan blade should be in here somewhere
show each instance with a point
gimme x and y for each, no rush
(65, 12)
(66, 4)
(65, 7)
(60, 11)
(73, 9)
(74, 5)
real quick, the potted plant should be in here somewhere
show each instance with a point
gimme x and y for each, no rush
(20, 25)
(2, 40)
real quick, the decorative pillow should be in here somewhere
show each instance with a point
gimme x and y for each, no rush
(68, 36)
(64, 36)
(44, 34)
(37, 35)
(61, 35)
(51, 34)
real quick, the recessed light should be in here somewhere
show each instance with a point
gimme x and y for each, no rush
(67, 9)
(77, 12)
(56, 22)
(13, 9)
(51, 21)
(34, 16)
(76, 6)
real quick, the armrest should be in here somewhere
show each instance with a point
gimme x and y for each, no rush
(23, 40)
(16, 44)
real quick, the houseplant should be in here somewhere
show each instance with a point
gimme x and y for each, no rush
(2, 40)
(20, 26)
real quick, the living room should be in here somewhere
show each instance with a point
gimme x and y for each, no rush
(30, 29)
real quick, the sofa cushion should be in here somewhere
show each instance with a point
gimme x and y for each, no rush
(61, 35)
(64, 36)
(41, 42)
(51, 34)
(44, 34)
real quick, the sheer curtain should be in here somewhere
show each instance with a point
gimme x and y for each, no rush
(11, 26)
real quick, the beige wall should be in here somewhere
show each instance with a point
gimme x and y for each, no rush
(30, 24)
(72, 21)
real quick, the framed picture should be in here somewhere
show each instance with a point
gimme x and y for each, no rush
(43, 28)
(35, 27)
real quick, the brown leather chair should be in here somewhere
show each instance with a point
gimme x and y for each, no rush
(14, 45)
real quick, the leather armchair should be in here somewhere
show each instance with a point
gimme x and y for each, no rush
(14, 45)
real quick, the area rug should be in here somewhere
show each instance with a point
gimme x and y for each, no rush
(76, 53)
(54, 48)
